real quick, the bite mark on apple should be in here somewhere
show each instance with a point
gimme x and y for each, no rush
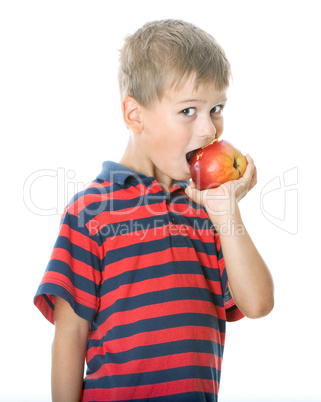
(210, 143)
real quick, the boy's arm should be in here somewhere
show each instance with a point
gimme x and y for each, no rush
(68, 353)
(250, 281)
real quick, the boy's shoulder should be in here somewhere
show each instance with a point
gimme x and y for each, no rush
(112, 176)
(106, 194)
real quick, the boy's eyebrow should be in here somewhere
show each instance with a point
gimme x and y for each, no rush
(191, 100)
(198, 100)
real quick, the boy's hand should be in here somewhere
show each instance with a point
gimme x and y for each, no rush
(221, 202)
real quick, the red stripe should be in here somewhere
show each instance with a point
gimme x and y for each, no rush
(158, 363)
(77, 266)
(129, 193)
(105, 195)
(80, 296)
(187, 210)
(130, 232)
(123, 215)
(190, 254)
(158, 258)
(105, 183)
(80, 240)
(150, 391)
(160, 310)
(43, 306)
(156, 285)
(234, 315)
(157, 337)
(123, 237)
(83, 201)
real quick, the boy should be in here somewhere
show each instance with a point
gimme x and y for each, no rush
(137, 283)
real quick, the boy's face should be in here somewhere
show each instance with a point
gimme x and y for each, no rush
(184, 120)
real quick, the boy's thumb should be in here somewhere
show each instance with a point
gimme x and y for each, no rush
(193, 193)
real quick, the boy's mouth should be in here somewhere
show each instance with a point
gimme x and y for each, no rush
(189, 156)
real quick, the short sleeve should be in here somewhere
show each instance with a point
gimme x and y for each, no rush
(231, 310)
(73, 272)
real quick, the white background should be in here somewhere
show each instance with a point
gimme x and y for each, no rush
(60, 119)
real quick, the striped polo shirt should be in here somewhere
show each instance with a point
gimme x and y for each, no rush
(146, 269)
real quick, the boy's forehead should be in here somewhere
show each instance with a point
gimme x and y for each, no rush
(189, 91)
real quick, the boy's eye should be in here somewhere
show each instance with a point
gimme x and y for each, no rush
(190, 111)
(217, 109)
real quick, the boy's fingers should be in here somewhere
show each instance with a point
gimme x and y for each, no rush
(190, 189)
(250, 169)
(193, 193)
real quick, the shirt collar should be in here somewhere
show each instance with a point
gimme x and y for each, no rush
(117, 173)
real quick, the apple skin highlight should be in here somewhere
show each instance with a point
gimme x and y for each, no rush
(217, 163)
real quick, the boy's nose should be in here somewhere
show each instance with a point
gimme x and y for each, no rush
(208, 130)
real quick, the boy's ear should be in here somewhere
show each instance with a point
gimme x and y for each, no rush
(132, 114)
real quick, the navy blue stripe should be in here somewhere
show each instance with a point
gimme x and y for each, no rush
(157, 350)
(57, 290)
(110, 205)
(159, 271)
(200, 246)
(153, 246)
(118, 205)
(159, 323)
(77, 224)
(220, 253)
(196, 222)
(224, 280)
(77, 252)
(180, 198)
(138, 249)
(101, 190)
(138, 227)
(134, 226)
(163, 296)
(50, 304)
(78, 281)
(154, 377)
(184, 397)
(112, 189)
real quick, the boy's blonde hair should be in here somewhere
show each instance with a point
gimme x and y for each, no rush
(162, 54)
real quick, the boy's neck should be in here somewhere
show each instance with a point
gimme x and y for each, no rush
(134, 159)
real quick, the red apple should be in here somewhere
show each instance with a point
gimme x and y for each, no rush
(216, 163)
